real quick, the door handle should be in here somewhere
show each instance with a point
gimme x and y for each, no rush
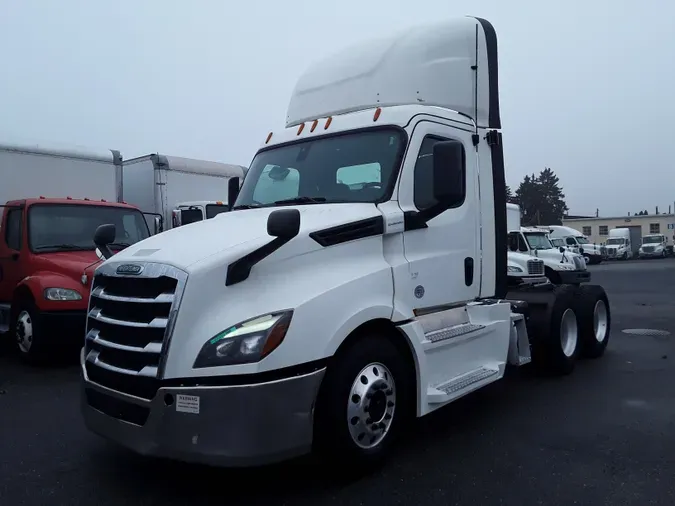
(468, 271)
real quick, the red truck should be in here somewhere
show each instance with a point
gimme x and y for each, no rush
(47, 259)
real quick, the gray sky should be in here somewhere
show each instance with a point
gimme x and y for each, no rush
(585, 86)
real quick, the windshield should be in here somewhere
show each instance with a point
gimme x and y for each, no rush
(71, 227)
(616, 240)
(557, 242)
(355, 167)
(582, 240)
(215, 209)
(654, 239)
(538, 241)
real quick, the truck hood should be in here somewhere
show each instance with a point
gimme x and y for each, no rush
(68, 263)
(235, 233)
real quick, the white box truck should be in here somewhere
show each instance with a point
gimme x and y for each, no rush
(336, 314)
(180, 190)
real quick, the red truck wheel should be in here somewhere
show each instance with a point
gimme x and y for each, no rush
(28, 332)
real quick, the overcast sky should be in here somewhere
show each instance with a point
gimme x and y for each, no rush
(586, 87)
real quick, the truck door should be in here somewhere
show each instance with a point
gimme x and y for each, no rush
(11, 252)
(443, 258)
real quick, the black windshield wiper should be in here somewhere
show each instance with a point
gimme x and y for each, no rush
(244, 206)
(301, 200)
(60, 247)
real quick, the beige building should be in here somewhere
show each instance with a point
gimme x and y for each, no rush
(597, 229)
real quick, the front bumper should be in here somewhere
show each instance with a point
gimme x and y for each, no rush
(574, 277)
(650, 254)
(242, 425)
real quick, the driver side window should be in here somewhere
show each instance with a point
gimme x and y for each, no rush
(570, 241)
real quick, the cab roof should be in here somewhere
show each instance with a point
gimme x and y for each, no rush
(68, 201)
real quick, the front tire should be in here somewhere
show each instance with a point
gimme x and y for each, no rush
(28, 332)
(364, 402)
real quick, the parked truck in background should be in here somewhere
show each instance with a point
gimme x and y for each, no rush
(577, 243)
(653, 246)
(53, 200)
(619, 245)
(560, 266)
(180, 190)
(336, 313)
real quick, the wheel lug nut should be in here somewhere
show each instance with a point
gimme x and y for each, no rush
(387, 416)
(389, 392)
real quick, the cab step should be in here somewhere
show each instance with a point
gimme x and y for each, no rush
(462, 384)
(452, 332)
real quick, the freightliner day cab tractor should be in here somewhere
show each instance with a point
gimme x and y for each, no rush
(560, 265)
(336, 314)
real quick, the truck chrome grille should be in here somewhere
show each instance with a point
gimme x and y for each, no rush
(648, 249)
(535, 267)
(129, 326)
(611, 252)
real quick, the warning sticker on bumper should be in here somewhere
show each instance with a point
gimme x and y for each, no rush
(187, 404)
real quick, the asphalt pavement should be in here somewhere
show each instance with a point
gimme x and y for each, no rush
(603, 436)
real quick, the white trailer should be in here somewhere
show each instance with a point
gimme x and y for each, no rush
(333, 316)
(34, 171)
(167, 185)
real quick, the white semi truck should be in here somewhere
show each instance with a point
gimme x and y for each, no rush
(619, 245)
(576, 242)
(559, 265)
(335, 315)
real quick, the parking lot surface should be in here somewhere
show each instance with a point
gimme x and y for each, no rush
(603, 436)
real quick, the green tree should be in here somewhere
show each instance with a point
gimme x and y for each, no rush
(510, 197)
(541, 199)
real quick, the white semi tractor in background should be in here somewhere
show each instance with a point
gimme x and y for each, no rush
(560, 266)
(329, 318)
(576, 242)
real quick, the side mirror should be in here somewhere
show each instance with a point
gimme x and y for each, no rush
(448, 173)
(581, 250)
(284, 223)
(232, 191)
(175, 218)
(562, 250)
(105, 235)
(159, 226)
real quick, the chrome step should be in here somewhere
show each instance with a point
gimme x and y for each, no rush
(452, 332)
(446, 391)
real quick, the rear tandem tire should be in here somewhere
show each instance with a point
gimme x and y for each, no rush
(370, 378)
(555, 333)
(592, 307)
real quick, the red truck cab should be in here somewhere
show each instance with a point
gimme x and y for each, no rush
(47, 260)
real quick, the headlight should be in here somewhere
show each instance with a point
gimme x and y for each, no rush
(246, 342)
(513, 268)
(61, 294)
(566, 267)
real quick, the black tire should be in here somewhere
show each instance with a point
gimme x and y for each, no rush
(545, 328)
(591, 300)
(624, 256)
(552, 276)
(36, 351)
(333, 441)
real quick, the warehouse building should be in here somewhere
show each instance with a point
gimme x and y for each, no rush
(597, 229)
